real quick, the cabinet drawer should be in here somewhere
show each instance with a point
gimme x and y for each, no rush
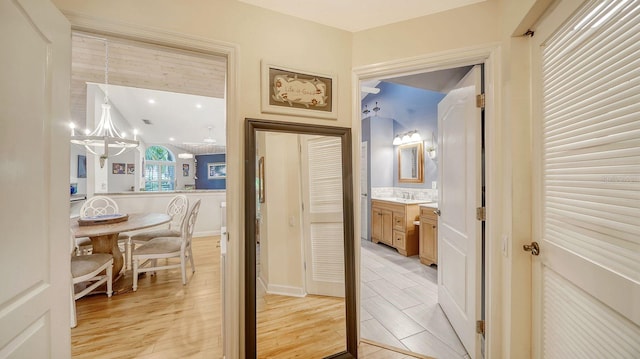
(428, 212)
(399, 221)
(399, 240)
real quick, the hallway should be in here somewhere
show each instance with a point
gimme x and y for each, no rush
(399, 304)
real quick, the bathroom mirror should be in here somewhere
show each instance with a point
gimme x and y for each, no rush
(306, 181)
(410, 163)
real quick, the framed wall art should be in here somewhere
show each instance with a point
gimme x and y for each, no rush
(118, 168)
(216, 170)
(82, 166)
(301, 93)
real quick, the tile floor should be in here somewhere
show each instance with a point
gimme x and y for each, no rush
(399, 304)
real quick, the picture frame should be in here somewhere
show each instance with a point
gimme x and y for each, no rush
(131, 168)
(185, 169)
(315, 94)
(82, 166)
(216, 170)
(118, 168)
(261, 192)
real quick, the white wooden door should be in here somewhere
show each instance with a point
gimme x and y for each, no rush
(34, 166)
(364, 191)
(459, 233)
(322, 213)
(586, 279)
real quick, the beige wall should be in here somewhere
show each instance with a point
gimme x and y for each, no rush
(282, 203)
(460, 28)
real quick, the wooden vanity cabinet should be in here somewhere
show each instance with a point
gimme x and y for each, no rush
(428, 236)
(392, 224)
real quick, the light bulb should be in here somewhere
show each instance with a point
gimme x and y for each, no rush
(415, 137)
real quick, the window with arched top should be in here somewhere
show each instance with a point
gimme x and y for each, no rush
(160, 169)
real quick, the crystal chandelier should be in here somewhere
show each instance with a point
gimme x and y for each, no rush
(106, 135)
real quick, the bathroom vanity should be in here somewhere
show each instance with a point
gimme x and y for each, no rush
(392, 223)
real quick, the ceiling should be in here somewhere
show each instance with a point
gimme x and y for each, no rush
(178, 81)
(358, 15)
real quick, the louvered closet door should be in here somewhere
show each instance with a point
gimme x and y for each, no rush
(586, 285)
(323, 227)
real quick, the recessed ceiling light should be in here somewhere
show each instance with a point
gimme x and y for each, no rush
(152, 101)
(198, 105)
(171, 139)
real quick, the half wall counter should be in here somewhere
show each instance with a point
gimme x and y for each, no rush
(209, 217)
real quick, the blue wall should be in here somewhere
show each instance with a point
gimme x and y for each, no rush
(202, 182)
(411, 109)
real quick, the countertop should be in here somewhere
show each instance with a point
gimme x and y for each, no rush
(430, 205)
(402, 200)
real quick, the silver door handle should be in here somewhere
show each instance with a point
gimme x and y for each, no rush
(437, 211)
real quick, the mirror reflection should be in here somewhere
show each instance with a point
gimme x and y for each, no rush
(299, 266)
(299, 253)
(410, 163)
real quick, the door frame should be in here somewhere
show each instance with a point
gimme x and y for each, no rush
(488, 55)
(232, 295)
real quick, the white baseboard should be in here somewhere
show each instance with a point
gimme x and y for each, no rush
(286, 290)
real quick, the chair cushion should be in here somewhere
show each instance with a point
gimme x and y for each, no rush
(83, 241)
(148, 235)
(159, 245)
(83, 265)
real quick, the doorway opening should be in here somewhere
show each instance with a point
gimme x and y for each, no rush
(400, 261)
(176, 98)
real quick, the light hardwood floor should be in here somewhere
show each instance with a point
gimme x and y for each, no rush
(165, 319)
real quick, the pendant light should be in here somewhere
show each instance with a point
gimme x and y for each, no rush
(106, 135)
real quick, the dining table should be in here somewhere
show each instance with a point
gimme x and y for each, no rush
(104, 236)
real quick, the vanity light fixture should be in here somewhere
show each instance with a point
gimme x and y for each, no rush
(407, 137)
(106, 135)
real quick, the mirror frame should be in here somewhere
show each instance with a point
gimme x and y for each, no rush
(250, 325)
(420, 164)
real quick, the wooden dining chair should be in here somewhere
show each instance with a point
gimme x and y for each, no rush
(145, 258)
(177, 209)
(92, 269)
(98, 206)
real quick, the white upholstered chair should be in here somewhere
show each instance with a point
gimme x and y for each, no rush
(145, 258)
(88, 269)
(97, 206)
(177, 209)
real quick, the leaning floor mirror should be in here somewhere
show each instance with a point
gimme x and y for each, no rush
(300, 298)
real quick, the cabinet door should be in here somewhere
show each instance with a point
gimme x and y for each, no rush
(387, 227)
(376, 224)
(428, 241)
